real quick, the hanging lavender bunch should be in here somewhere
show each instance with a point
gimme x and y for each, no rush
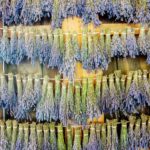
(20, 138)
(4, 144)
(26, 12)
(115, 140)
(63, 114)
(85, 138)
(55, 60)
(30, 46)
(116, 46)
(92, 107)
(33, 144)
(90, 13)
(108, 46)
(38, 45)
(131, 135)
(70, 101)
(116, 9)
(13, 47)
(11, 94)
(61, 42)
(104, 102)
(77, 139)
(21, 51)
(56, 17)
(9, 13)
(127, 11)
(45, 49)
(40, 109)
(27, 101)
(109, 8)
(46, 138)
(9, 132)
(53, 140)
(84, 101)
(69, 138)
(4, 95)
(94, 143)
(69, 62)
(101, 7)
(131, 44)
(103, 136)
(60, 141)
(36, 12)
(90, 63)
(109, 135)
(47, 6)
(84, 48)
(124, 135)
(114, 97)
(5, 46)
(39, 131)
(77, 109)
(142, 45)
(14, 134)
(144, 137)
(26, 135)
(148, 46)
(76, 47)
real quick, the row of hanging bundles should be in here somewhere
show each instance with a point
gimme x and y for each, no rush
(77, 102)
(32, 11)
(133, 134)
(56, 49)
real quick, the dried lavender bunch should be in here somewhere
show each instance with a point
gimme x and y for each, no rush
(77, 109)
(84, 48)
(92, 107)
(76, 47)
(30, 46)
(40, 109)
(131, 44)
(21, 48)
(26, 102)
(63, 114)
(109, 135)
(26, 135)
(26, 13)
(56, 15)
(131, 134)
(4, 95)
(57, 95)
(36, 12)
(69, 138)
(90, 13)
(20, 138)
(116, 9)
(84, 100)
(116, 46)
(14, 134)
(5, 46)
(142, 45)
(47, 6)
(61, 42)
(69, 62)
(55, 60)
(115, 139)
(104, 136)
(11, 94)
(148, 46)
(108, 46)
(9, 131)
(123, 137)
(70, 101)
(60, 141)
(85, 138)
(109, 8)
(45, 51)
(33, 143)
(4, 144)
(101, 7)
(77, 139)
(46, 138)
(114, 97)
(12, 55)
(53, 140)
(39, 132)
(144, 137)
(94, 143)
